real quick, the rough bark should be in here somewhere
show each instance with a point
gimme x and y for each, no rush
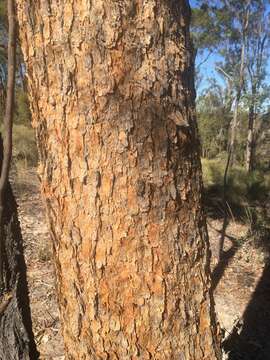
(111, 90)
(16, 337)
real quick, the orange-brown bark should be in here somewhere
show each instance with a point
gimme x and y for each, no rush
(111, 88)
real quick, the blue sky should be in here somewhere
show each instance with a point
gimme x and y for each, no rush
(208, 68)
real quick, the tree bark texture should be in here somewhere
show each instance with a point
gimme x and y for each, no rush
(16, 336)
(111, 90)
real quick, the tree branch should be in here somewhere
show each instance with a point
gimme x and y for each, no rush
(218, 68)
(205, 59)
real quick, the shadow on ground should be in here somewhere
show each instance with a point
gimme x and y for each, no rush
(250, 338)
(225, 256)
(223, 264)
(214, 207)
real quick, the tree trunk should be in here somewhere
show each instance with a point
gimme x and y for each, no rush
(250, 147)
(6, 149)
(111, 90)
(250, 140)
(240, 85)
(234, 125)
(16, 337)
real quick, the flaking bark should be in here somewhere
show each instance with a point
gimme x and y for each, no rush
(111, 90)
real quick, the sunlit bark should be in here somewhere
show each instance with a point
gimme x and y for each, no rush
(111, 90)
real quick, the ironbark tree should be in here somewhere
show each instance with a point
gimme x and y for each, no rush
(111, 90)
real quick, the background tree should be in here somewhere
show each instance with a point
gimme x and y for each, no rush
(3, 53)
(16, 337)
(111, 91)
(240, 47)
(233, 20)
(256, 90)
(24, 148)
(214, 114)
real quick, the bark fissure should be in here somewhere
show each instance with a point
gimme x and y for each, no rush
(132, 282)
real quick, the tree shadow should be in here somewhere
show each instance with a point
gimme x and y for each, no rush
(214, 207)
(250, 338)
(16, 335)
(225, 256)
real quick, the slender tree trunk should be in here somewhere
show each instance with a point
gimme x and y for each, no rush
(231, 147)
(250, 148)
(111, 90)
(16, 336)
(239, 86)
(8, 122)
(231, 150)
(229, 164)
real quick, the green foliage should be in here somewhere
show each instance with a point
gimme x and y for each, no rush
(3, 15)
(213, 122)
(24, 142)
(22, 110)
(212, 133)
(244, 190)
(204, 28)
(233, 29)
(224, 27)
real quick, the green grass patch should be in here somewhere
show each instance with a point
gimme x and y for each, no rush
(24, 146)
(243, 189)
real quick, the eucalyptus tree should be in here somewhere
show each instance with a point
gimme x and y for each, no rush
(112, 98)
(257, 91)
(238, 33)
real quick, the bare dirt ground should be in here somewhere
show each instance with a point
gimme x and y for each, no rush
(235, 278)
(40, 269)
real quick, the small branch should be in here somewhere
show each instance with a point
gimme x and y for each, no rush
(205, 59)
(218, 68)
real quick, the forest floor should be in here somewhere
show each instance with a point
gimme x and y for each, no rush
(40, 269)
(235, 279)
